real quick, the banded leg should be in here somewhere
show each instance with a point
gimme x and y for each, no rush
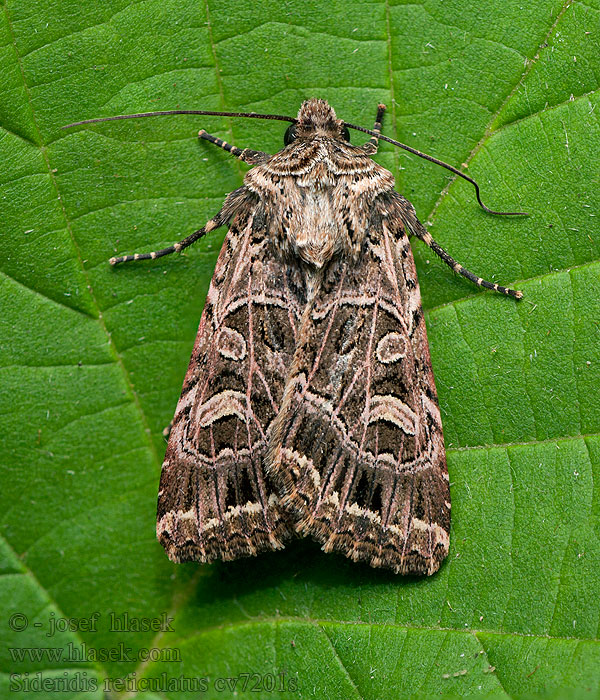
(422, 233)
(370, 148)
(245, 154)
(217, 220)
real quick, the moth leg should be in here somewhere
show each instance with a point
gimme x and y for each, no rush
(217, 220)
(370, 148)
(245, 154)
(167, 431)
(422, 233)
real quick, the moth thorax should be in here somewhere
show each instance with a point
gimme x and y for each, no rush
(316, 235)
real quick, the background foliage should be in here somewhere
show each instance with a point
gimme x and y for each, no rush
(92, 358)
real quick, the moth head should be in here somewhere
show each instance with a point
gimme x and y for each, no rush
(316, 118)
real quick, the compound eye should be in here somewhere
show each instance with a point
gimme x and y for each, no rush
(346, 134)
(290, 135)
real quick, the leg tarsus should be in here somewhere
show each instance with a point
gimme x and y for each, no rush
(210, 225)
(421, 232)
(245, 154)
(372, 144)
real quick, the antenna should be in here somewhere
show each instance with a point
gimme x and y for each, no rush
(438, 162)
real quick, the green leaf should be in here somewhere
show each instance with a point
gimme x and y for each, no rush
(92, 358)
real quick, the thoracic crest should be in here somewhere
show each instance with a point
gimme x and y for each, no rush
(317, 195)
(309, 405)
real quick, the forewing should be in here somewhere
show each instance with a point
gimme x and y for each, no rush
(215, 500)
(358, 450)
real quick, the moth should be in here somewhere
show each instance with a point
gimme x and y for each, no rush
(309, 405)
